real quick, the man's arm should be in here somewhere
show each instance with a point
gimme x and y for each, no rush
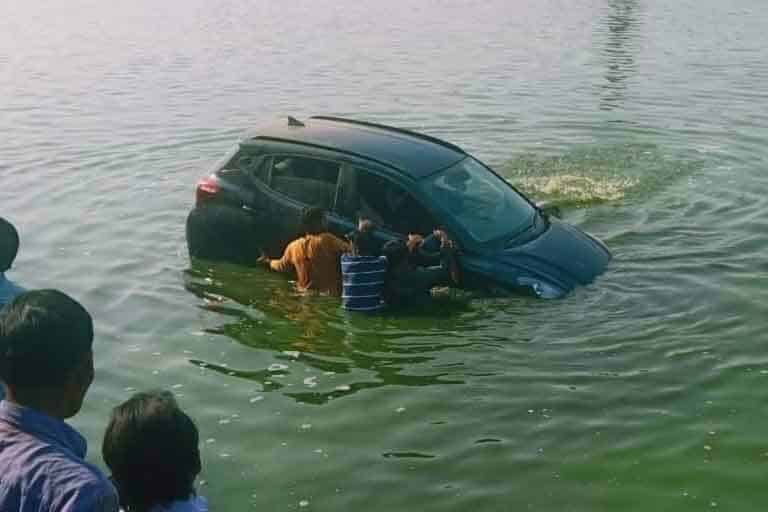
(285, 263)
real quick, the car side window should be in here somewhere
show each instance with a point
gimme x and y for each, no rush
(310, 181)
(249, 164)
(234, 163)
(365, 194)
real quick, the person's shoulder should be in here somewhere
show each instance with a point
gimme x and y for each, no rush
(95, 496)
(294, 243)
(9, 290)
(79, 485)
(77, 471)
(327, 235)
(331, 240)
(294, 246)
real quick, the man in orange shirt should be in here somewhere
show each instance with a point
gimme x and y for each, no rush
(315, 257)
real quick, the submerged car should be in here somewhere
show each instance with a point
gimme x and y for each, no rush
(406, 182)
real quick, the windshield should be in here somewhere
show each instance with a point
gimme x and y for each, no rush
(485, 206)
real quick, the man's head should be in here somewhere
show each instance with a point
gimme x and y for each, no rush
(46, 352)
(364, 243)
(9, 244)
(151, 447)
(313, 221)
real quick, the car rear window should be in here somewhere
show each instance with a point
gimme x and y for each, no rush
(246, 162)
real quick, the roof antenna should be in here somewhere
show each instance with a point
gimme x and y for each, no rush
(292, 121)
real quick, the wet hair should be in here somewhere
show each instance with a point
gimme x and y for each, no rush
(9, 244)
(151, 447)
(396, 251)
(312, 220)
(44, 336)
(365, 243)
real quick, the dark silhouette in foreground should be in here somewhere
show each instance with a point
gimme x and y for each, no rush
(151, 447)
(46, 366)
(9, 247)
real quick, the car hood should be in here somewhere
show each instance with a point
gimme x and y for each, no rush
(562, 255)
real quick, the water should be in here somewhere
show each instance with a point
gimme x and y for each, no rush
(644, 119)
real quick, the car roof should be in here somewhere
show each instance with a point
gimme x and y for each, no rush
(414, 154)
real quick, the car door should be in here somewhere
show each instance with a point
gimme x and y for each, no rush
(295, 182)
(257, 200)
(365, 193)
(341, 220)
(256, 170)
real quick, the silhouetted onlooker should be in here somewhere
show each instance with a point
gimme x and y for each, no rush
(46, 365)
(9, 247)
(151, 447)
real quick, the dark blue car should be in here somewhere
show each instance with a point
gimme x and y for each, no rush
(406, 182)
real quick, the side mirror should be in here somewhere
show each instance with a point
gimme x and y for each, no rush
(549, 209)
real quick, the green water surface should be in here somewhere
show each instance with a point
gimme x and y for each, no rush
(645, 120)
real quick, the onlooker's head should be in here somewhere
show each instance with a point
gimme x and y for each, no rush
(396, 252)
(313, 220)
(151, 447)
(46, 352)
(9, 244)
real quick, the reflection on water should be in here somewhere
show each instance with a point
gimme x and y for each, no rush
(622, 21)
(265, 312)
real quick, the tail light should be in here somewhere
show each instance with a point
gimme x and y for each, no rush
(207, 189)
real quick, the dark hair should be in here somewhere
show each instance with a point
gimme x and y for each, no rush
(44, 336)
(151, 447)
(365, 243)
(396, 251)
(312, 220)
(9, 244)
